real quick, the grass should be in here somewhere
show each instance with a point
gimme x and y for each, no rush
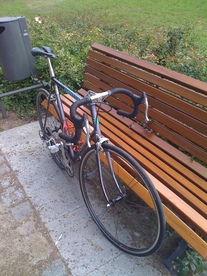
(146, 15)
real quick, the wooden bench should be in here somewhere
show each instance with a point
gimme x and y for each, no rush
(172, 147)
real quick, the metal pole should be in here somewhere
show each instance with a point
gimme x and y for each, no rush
(2, 95)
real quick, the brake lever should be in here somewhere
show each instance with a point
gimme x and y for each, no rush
(145, 102)
(86, 129)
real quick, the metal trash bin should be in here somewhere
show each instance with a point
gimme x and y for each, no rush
(16, 59)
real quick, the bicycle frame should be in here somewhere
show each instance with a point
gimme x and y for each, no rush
(95, 133)
(56, 84)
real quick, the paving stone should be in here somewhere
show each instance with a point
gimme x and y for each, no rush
(26, 228)
(22, 211)
(12, 196)
(4, 169)
(57, 268)
(60, 235)
(6, 182)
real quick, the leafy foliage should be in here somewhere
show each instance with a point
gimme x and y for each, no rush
(70, 40)
(22, 103)
(192, 264)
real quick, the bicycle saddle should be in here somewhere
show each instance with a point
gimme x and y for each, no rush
(46, 52)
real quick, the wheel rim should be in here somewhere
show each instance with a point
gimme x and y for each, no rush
(129, 223)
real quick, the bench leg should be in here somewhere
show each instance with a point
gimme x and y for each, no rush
(179, 251)
(2, 109)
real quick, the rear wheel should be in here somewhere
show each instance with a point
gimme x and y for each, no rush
(126, 206)
(50, 123)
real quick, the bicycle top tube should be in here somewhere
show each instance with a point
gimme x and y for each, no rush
(67, 89)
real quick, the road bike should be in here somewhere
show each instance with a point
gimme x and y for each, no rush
(117, 191)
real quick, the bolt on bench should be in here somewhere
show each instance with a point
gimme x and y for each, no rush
(172, 147)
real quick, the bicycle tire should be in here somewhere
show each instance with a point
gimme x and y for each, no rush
(49, 129)
(129, 223)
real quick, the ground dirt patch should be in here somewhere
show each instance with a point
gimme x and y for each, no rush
(13, 120)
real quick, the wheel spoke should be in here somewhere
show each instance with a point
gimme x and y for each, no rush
(49, 123)
(134, 225)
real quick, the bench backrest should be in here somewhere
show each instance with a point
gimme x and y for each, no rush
(178, 103)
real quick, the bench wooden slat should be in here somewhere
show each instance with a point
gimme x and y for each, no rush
(183, 144)
(186, 232)
(184, 80)
(96, 77)
(177, 127)
(168, 160)
(163, 172)
(150, 78)
(180, 127)
(165, 147)
(180, 116)
(159, 171)
(161, 146)
(159, 128)
(114, 77)
(173, 220)
(167, 196)
(167, 109)
(148, 161)
(180, 206)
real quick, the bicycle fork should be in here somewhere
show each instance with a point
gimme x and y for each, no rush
(121, 195)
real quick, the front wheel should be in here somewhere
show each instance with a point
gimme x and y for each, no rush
(122, 200)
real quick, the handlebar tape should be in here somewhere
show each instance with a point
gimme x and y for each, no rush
(77, 121)
(137, 100)
(73, 139)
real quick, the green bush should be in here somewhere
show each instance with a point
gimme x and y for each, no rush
(191, 265)
(71, 39)
(23, 103)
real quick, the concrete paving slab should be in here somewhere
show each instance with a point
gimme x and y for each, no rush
(26, 247)
(57, 200)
